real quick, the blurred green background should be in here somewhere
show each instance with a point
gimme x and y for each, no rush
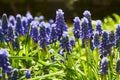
(98, 8)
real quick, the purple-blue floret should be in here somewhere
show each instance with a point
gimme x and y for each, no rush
(76, 29)
(104, 66)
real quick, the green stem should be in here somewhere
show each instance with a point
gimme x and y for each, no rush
(111, 64)
(103, 77)
(70, 60)
(47, 75)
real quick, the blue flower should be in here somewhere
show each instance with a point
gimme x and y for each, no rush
(25, 24)
(76, 29)
(111, 38)
(60, 23)
(1, 35)
(43, 37)
(104, 66)
(51, 21)
(118, 31)
(117, 44)
(41, 18)
(36, 18)
(4, 62)
(3, 54)
(98, 27)
(53, 34)
(12, 20)
(15, 43)
(15, 74)
(19, 29)
(29, 17)
(28, 74)
(61, 52)
(48, 28)
(64, 42)
(34, 31)
(91, 43)
(84, 29)
(87, 14)
(96, 40)
(10, 34)
(104, 47)
(72, 41)
(4, 23)
(118, 66)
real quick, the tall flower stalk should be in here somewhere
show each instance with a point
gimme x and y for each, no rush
(118, 39)
(99, 27)
(4, 23)
(104, 68)
(60, 23)
(66, 46)
(76, 30)
(87, 15)
(44, 40)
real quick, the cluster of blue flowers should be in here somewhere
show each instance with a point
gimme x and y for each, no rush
(40, 31)
(6, 68)
(46, 33)
(4, 62)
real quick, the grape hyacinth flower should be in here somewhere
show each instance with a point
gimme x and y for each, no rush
(96, 40)
(4, 23)
(4, 62)
(1, 35)
(61, 52)
(51, 21)
(15, 43)
(104, 66)
(34, 31)
(98, 27)
(12, 20)
(118, 66)
(111, 38)
(10, 34)
(15, 74)
(104, 47)
(91, 43)
(28, 74)
(29, 18)
(36, 18)
(76, 29)
(87, 14)
(72, 41)
(64, 42)
(43, 37)
(118, 38)
(25, 24)
(84, 29)
(48, 28)
(60, 23)
(41, 18)
(19, 29)
(53, 34)
(118, 31)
